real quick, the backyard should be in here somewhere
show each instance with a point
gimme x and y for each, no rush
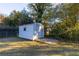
(20, 47)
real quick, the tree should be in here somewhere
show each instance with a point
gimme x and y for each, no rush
(25, 19)
(17, 18)
(41, 13)
(14, 17)
(39, 10)
(68, 27)
(2, 17)
(69, 12)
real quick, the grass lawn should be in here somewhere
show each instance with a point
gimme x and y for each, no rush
(21, 47)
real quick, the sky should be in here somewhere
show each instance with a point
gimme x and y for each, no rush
(6, 8)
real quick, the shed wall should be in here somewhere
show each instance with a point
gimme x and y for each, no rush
(28, 33)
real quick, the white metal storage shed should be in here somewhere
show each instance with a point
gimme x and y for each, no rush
(31, 31)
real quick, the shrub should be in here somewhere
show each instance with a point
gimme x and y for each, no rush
(68, 34)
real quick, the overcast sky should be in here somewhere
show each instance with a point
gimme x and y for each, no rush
(6, 8)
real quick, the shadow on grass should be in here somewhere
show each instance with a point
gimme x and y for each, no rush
(13, 39)
(4, 45)
(39, 51)
(33, 50)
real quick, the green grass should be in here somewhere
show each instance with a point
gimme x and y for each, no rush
(34, 48)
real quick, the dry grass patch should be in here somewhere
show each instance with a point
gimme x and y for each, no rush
(25, 48)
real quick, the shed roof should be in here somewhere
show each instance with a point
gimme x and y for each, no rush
(31, 24)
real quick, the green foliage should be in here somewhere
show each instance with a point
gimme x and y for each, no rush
(40, 11)
(66, 32)
(25, 19)
(7, 21)
(68, 28)
(17, 18)
(12, 19)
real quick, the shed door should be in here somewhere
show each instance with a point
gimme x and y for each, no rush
(40, 31)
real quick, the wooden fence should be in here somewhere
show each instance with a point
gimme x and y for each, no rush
(8, 32)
